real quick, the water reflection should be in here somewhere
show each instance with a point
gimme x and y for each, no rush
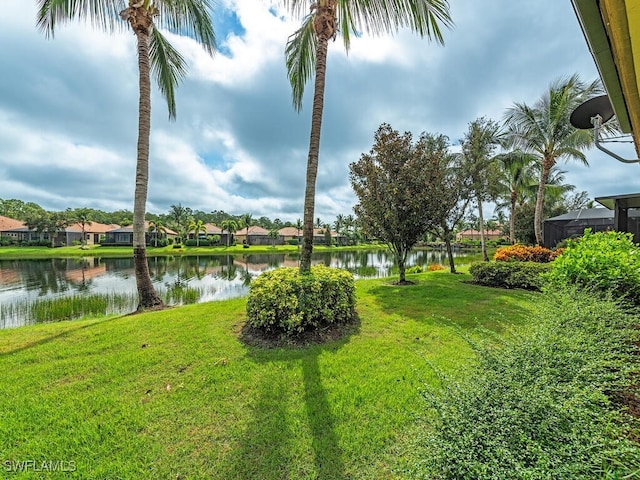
(182, 279)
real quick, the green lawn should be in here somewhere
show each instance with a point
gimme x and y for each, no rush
(175, 394)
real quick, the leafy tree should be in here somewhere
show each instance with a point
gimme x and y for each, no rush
(155, 54)
(19, 210)
(393, 183)
(451, 190)
(478, 146)
(306, 56)
(51, 223)
(545, 131)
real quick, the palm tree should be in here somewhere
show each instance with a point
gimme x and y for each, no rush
(82, 216)
(155, 54)
(246, 221)
(274, 234)
(231, 226)
(196, 227)
(478, 145)
(514, 178)
(156, 228)
(306, 56)
(545, 131)
(299, 227)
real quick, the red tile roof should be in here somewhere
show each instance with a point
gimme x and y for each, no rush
(7, 223)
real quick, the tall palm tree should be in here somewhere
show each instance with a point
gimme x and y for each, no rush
(306, 56)
(514, 178)
(83, 217)
(479, 142)
(545, 131)
(196, 227)
(155, 54)
(231, 226)
(246, 221)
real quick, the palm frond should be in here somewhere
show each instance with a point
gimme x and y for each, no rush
(100, 13)
(168, 67)
(189, 17)
(424, 17)
(300, 55)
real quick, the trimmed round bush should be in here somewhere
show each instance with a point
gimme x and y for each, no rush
(603, 262)
(283, 301)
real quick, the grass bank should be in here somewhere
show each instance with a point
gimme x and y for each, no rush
(100, 251)
(175, 394)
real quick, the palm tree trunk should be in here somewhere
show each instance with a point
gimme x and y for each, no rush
(483, 244)
(314, 149)
(147, 295)
(512, 219)
(537, 219)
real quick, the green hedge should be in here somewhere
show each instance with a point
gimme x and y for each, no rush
(284, 302)
(526, 275)
(193, 243)
(540, 406)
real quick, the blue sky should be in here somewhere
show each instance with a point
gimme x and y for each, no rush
(68, 106)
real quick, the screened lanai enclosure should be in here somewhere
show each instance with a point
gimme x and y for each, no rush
(620, 213)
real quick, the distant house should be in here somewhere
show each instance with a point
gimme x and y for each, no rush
(574, 223)
(93, 232)
(11, 228)
(257, 236)
(124, 235)
(475, 235)
(290, 233)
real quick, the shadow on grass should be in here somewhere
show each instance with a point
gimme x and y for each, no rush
(275, 438)
(56, 336)
(440, 296)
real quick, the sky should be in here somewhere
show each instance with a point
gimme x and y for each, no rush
(69, 109)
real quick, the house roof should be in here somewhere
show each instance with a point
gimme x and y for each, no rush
(612, 31)
(631, 200)
(129, 229)
(320, 232)
(590, 214)
(213, 229)
(477, 232)
(253, 230)
(7, 224)
(93, 227)
(290, 232)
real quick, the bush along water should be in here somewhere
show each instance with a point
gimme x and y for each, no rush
(283, 301)
(606, 263)
(540, 407)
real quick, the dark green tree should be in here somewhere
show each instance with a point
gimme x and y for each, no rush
(394, 186)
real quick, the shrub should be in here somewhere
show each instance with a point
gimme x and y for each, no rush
(538, 406)
(434, 267)
(414, 269)
(292, 241)
(283, 301)
(192, 242)
(523, 253)
(526, 275)
(603, 262)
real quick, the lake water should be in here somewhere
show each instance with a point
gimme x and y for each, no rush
(52, 284)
